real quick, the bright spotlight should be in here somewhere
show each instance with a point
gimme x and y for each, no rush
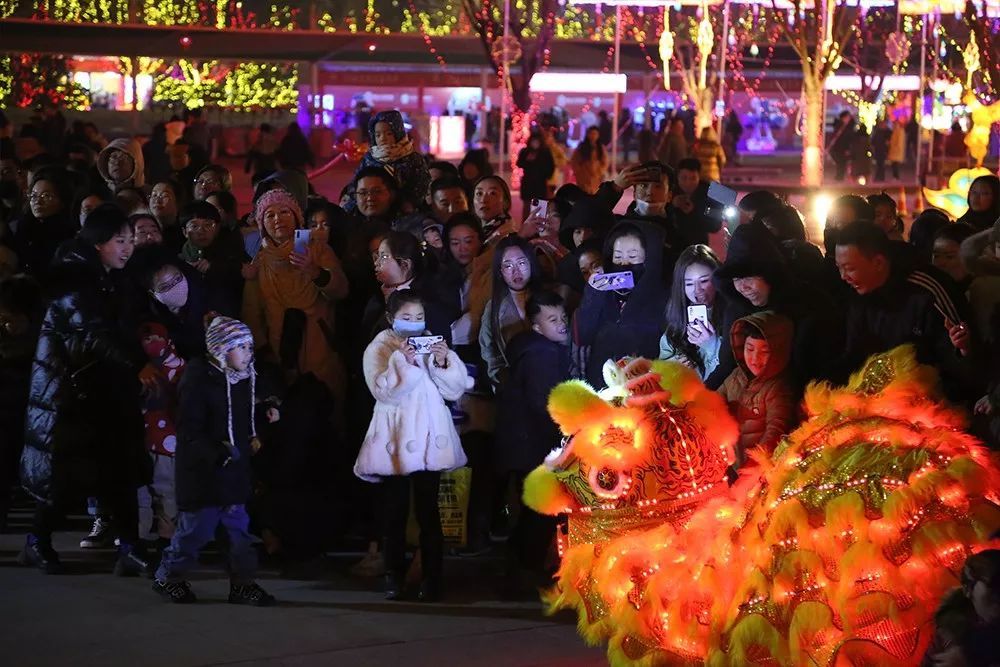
(730, 212)
(821, 205)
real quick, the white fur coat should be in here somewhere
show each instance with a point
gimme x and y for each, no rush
(411, 429)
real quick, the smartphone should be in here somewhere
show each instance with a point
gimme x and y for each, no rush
(422, 344)
(698, 312)
(720, 193)
(302, 240)
(652, 174)
(541, 207)
(607, 282)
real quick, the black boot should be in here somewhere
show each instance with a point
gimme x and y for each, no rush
(132, 562)
(40, 554)
(250, 594)
(393, 586)
(432, 564)
(178, 592)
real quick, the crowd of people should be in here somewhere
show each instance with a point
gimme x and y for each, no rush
(300, 372)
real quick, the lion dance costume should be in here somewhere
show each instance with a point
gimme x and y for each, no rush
(836, 550)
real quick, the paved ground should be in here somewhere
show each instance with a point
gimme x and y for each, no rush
(326, 617)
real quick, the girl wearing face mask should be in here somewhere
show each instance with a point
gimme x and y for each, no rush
(47, 223)
(515, 276)
(411, 438)
(624, 322)
(693, 342)
(178, 301)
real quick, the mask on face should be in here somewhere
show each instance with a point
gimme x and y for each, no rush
(175, 297)
(408, 328)
(647, 209)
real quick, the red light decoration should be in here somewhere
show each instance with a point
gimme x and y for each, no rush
(185, 42)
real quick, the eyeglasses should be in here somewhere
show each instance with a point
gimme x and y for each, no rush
(521, 264)
(369, 194)
(41, 196)
(119, 156)
(200, 226)
(380, 257)
(211, 180)
(169, 283)
(161, 196)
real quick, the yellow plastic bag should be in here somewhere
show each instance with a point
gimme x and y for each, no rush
(453, 505)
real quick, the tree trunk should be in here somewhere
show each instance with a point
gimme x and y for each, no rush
(813, 150)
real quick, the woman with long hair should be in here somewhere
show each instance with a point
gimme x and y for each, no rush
(516, 275)
(590, 161)
(693, 341)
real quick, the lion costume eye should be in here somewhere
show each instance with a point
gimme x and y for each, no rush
(609, 483)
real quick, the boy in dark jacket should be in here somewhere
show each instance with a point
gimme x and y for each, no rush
(215, 439)
(759, 391)
(539, 360)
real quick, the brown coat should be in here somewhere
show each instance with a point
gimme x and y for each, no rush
(764, 405)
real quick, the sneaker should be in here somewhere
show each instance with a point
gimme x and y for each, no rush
(178, 592)
(100, 535)
(40, 555)
(251, 594)
(131, 562)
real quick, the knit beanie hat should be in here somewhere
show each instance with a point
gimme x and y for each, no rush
(280, 197)
(222, 335)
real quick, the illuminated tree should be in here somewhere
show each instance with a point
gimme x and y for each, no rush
(692, 58)
(819, 38)
(35, 77)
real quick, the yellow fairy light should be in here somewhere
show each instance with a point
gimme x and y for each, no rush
(666, 48)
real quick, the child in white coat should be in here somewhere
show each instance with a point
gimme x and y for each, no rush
(411, 437)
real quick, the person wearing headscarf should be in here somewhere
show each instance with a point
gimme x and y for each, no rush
(391, 149)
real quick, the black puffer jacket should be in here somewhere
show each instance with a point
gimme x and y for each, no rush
(35, 242)
(83, 400)
(203, 477)
(616, 325)
(537, 365)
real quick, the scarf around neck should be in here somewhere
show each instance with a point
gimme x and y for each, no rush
(397, 151)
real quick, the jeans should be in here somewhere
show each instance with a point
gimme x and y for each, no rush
(195, 529)
(157, 503)
(396, 506)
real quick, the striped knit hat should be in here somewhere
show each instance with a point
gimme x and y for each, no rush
(221, 336)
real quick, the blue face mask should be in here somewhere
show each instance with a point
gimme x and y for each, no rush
(408, 328)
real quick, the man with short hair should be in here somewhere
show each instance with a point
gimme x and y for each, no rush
(447, 198)
(894, 306)
(689, 204)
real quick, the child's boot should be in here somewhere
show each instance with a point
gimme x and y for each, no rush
(251, 594)
(178, 592)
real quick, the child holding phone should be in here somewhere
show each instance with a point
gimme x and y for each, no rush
(411, 438)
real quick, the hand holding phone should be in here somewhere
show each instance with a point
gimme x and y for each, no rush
(423, 344)
(698, 313)
(607, 282)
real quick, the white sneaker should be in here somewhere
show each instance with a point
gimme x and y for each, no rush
(100, 535)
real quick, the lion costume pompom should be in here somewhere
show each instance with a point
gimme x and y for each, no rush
(834, 551)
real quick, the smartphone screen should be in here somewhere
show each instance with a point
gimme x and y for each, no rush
(301, 241)
(698, 313)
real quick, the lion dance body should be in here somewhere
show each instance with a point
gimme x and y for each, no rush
(835, 550)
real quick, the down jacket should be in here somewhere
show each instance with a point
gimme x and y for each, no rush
(83, 401)
(764, 406)
(411, 429)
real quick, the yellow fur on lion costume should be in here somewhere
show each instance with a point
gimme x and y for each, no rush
(834, 551)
